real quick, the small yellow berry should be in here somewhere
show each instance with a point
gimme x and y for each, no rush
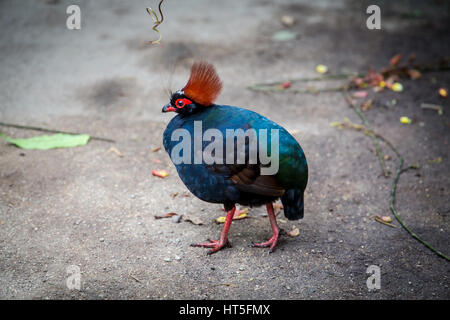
(220, 220)
(397, 87)
(443, 93)
(405, 120)
(321, 69)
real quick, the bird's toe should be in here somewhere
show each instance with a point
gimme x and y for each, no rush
(215, 245)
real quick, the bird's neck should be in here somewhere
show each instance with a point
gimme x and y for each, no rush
(198, 109)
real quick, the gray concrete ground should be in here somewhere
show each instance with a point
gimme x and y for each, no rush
(91, 208)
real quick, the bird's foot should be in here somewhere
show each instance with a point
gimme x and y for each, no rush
(215, 245)
(271, 243)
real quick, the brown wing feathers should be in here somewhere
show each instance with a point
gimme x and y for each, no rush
(249, 180)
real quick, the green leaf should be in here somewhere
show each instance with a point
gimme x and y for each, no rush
(45, 142)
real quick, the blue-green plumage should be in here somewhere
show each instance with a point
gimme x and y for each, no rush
(221, 183)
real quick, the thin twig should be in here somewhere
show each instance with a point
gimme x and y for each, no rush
(310, 90)
(157, 21)
(133, 277)
(378, 219)
(18, 126)
(374, 139)
(399, 171)
(326, 77)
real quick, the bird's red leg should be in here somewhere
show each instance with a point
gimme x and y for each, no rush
(272, 242)
(216, 245)
(237, 213)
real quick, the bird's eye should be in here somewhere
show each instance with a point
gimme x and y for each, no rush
(180, 103)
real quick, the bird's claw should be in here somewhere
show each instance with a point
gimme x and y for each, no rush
(215, 245)
(271, 243)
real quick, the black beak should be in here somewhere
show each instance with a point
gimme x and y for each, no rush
(166, 107)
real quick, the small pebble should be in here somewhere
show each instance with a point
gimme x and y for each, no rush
(102, 239)
(167, 259)
(288, 21)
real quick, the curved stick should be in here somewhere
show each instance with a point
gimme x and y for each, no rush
(158, 21)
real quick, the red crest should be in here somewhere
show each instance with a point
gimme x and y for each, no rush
(204, 84)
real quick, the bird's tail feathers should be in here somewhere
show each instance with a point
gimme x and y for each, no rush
(292, 201)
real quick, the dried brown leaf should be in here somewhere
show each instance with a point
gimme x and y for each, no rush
(116, 151)
(167, 215)
(294, 232)
(193, 219)
(414, 74)
(367, 105)
(395, 60)
(277, 207)
(360, 94)
(160, 173)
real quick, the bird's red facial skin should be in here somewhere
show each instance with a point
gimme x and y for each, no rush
(181, 103)
(169, 109)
